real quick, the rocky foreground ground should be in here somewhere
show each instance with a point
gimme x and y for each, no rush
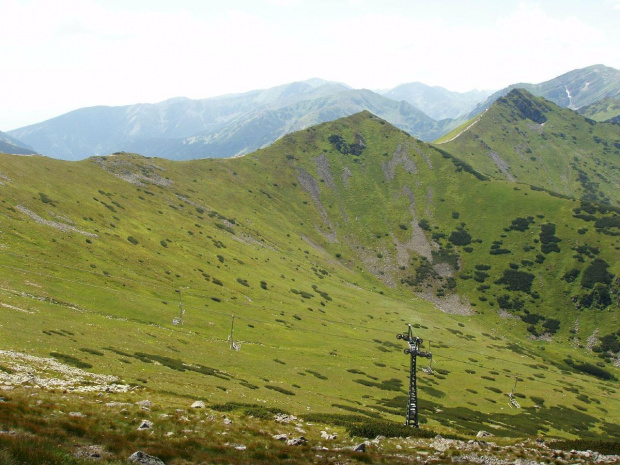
(91, 418)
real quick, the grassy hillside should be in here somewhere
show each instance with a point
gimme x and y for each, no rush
(323, 247)
(602, 110)
(526, 139)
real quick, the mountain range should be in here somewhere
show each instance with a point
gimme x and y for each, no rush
(277, 282)
(219, 127)
(234, 125)
(11, 145)
(574, 90)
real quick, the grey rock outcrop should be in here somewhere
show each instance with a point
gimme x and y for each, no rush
(144, 459)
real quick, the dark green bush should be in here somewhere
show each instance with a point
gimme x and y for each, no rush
(531, 318)
(460, 237)
(70, 360)
(280, 390)
(551, 325)
(571, 275)
(594, 370)
(516, 280)
(596, 272)
(519, 224)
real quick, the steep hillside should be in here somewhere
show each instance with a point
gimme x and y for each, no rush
(437, 102)
(602, 110)
(313, 253)
(10, 145)
(526, 139)
(575, 89)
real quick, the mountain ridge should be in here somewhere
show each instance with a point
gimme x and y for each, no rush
(574, 89)
(524, 138)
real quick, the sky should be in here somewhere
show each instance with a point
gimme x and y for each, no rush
(57, 56)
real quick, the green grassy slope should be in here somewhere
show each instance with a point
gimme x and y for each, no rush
(322, 246)
(526, 139)
(602, 110)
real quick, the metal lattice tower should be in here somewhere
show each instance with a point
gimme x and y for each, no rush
(414, 351)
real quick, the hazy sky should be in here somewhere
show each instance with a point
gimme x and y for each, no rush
(65, 54)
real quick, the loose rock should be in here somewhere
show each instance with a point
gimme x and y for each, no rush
(198, 404)
(297, 441)
(284, 418)
(146, 424)
(360, 447)
(145, 459)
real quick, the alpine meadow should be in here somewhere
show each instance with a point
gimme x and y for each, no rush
(245, 310)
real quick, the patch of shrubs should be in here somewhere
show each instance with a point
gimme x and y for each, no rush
(515, 280)
(480, 276)
(521, 224)
(280, 390)
(424, 224)
(591, 369)
(607, 222)
(316, 374)
(506, 303)
(531, 318)
(254, 410)
(357, 425)
(304, 294)
(596, 272)
(341, 145)
(393, 384)
(460, 237)
(551, 325)
(548, 239)
(571, 275)
(70, 360)
(609, 343)
(598, 297)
